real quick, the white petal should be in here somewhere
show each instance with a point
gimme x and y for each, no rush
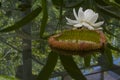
(88, 26)
(80, 14)
(76, 17)
(98, 24)
(71, 22)
(88, 14)
(78, 25)
(99, 28)
(94, 18)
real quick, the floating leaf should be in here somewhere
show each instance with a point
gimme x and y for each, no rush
(23, 21)
(80, 42)
(49, 67)
(84, 35)
(71, 67)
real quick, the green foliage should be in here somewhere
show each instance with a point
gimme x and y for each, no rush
(2, 77)
(112, 2)
(65, 5)
(71, 67)
(108, 57)
(23, 21)
(107, 11)
(46, 23)
(45, 17)
(111, 11)
(49, 67)
(87, 60)
(108, 32)
(113, 48)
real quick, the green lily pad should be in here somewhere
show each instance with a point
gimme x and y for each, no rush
(79, 35)
(78, 41)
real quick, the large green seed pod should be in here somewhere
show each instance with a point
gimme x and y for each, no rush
(77, 42)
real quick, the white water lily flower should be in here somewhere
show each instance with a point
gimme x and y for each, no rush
(86, 19)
